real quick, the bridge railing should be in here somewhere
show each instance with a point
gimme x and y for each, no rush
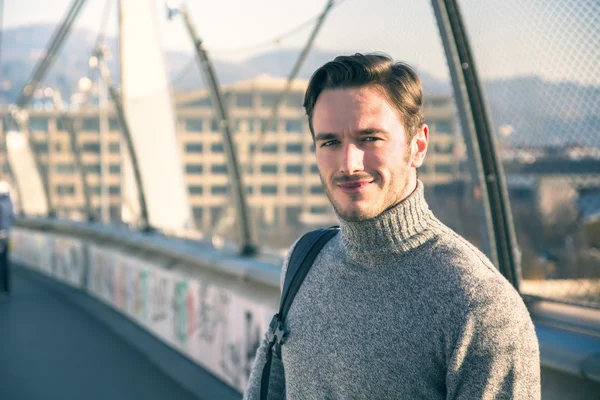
(210, 305)
(214, 306)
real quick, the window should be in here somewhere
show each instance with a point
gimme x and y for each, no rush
(38, 124)
(268, 189)
(91, 125)
(113, 124)
(268, 169)
(293, 147)
(292, 214)
(443, 168)
(264, 122)
(217, 148)
(268, 99)
(219, 189)
(447, 149)
(114, 147)
(270, 148)
(91, 147)
(203, 102)
(41, 147)
(194, 148)
(314, 169)
(318, 210)
(65, 168)
(195, 189)
(423, 168)
(198, 212)
(65, 189)
(114, 168)
(294, 189)
(293, 169)
(194, 168)
(293, 125)
(114, 189)
(193, 125)
(219, 169)
(62, 124)
(316, 189)
(92, 168)
(214, 125)
(443, 127)
(244, 100)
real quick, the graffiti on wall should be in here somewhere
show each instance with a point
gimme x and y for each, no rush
(211, 324)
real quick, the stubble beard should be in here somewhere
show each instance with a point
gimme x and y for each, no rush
(391, 199)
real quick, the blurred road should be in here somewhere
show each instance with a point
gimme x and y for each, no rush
(51, 349)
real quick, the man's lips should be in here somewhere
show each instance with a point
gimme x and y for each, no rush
(354, 187)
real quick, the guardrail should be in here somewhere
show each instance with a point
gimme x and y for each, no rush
(210, 305)
(214, 306)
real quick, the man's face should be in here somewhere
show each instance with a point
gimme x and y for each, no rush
(365, 163)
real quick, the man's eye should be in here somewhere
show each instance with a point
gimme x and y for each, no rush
(370, 139)
(329, 143)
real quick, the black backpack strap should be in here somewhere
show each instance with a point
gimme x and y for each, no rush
(301, 259)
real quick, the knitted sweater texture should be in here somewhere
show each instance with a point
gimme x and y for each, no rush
(402, 307)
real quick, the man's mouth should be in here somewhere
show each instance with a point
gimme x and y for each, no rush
(354, 187)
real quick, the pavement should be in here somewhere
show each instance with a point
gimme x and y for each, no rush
(52, 349)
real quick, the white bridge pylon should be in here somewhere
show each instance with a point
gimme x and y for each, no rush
(25, 173)
(150, 115)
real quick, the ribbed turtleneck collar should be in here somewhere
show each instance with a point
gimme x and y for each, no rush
(400, 229)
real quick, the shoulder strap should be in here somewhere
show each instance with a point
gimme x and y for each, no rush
(301, 259)
(304, 254)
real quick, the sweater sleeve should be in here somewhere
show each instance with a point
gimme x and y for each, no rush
(495, 353)
(277, 376)
(276, 379)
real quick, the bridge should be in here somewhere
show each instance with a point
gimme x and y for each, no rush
(139, 279)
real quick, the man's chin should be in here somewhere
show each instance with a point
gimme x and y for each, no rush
(353, 214)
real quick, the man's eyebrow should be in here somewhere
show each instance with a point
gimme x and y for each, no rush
(370, 131)
(325, 136)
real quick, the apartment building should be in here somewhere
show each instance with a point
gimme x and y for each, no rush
(282, 180)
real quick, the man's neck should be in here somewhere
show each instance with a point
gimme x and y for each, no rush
(399, 229)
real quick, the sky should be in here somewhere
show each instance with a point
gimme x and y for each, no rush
(549, 38)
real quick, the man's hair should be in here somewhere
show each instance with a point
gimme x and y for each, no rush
(398, 82)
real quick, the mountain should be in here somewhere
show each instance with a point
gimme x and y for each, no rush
(24, 46)
(536, 111)
(544, 113)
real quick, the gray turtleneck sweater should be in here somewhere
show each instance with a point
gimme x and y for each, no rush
(400, 306)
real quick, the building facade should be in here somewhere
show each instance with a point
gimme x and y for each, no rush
(279, 169)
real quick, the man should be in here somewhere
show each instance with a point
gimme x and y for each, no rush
(6, 215)
(397, 305)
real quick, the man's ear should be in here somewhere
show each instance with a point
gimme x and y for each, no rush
(419, 146)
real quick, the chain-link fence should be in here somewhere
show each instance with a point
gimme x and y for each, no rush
(539, 65)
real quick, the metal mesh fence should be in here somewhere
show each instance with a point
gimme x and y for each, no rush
(539, 65)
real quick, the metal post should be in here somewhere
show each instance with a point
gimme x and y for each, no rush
(116, 99)
(248, 247)
(103, 122)
(20, 118)
(479, 138)
(54, 46)
(275, 111)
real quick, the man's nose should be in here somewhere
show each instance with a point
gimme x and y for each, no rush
(352, 159)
